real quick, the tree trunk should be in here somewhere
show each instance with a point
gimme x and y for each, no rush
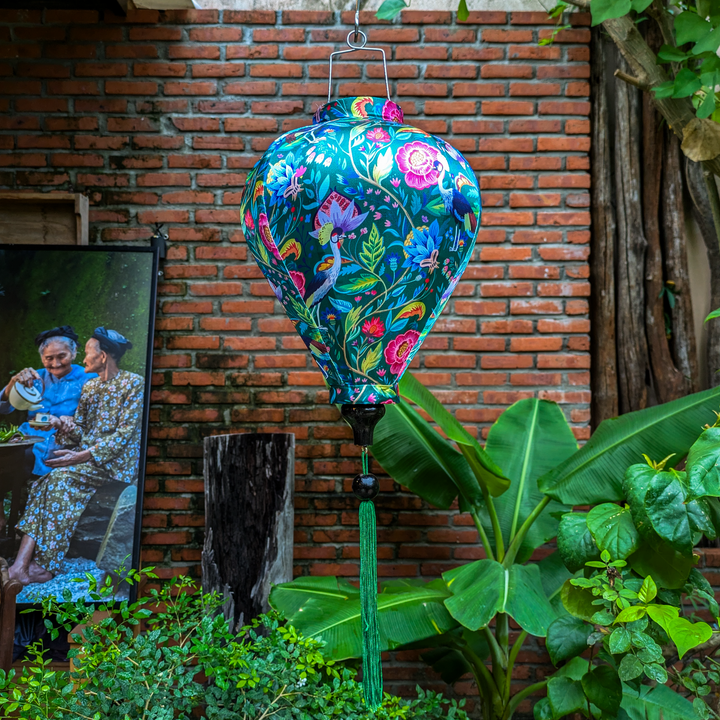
(631, 342)
(602, 249)
(676, 264)
(702, 212)
(667, 383)
(249, 490)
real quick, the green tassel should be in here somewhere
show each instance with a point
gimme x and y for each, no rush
(372, 667)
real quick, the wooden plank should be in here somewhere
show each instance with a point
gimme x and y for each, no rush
(43, 218)
(603, 346)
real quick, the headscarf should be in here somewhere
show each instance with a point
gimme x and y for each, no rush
(112, 342)
(66, 331)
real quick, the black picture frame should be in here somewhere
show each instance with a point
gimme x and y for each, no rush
(10, 252)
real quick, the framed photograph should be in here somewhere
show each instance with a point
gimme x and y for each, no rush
(76, 339)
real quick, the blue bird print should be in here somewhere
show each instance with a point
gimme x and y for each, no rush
(333, 228)
(455, 202)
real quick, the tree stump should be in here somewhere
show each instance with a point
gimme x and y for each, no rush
(249, 491)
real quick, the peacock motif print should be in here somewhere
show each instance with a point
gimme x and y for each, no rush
(363, 226)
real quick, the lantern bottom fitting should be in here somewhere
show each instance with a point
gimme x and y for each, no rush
(362, 419)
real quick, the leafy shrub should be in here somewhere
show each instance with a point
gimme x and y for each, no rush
(519, 490)
(186, 659)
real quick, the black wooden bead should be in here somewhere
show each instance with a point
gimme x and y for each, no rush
(366, 487)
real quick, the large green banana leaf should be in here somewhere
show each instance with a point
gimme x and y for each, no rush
(484, 588)
(487, 473)
(594, 473)
(328, 608)
(658, 703)
(528, 440)
(417, 456)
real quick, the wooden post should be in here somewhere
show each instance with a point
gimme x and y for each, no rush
(249, 491)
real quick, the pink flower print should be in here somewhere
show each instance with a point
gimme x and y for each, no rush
(249, 222)
(266, 235)
(386, 198)
(416, 161)
(377, 215)
(397, 353)
(363, 231)
(381, 373)
(358, 298)
(374, 327)
(299, 279)
(388, 223)
(392, 112)
(372, 398)
(378, 135)
(395, 182)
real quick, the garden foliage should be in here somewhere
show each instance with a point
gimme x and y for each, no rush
(186, 661)
(519, 491)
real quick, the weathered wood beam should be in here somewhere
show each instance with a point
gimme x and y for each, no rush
(249, 490)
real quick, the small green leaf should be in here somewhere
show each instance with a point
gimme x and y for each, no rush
(463, 13)
(620, 640)
(630, 668)
(687, 635)
(565, 695)
(638, 6)
(631, 614)
(576, 601)
(656, 672)
(566, 638)
(390, 9)
(603, 688)
(689, 27)
(648, 590)
(602, 10)
(714, 314)
(613, 530)
(663, 615)
(669, 53)
(686, 83)
(707, 106)
(574, 541)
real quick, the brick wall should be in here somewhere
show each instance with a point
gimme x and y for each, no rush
(158, 117)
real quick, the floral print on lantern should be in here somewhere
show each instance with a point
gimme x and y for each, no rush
(362, 226)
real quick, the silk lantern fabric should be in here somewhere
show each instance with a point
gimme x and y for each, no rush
(363, 226)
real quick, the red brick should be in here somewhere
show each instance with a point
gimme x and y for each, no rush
(507, 107)
(128, 87)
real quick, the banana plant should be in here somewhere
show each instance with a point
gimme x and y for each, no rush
(515, 489)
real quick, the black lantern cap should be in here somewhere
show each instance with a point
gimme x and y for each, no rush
(362, 419)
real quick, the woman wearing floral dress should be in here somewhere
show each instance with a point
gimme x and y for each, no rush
(105, 439)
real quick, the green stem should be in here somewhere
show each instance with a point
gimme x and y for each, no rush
(484, 540)
(497, 532)
(517, 645)
(517, 541)
(512, 706)
(499, 661)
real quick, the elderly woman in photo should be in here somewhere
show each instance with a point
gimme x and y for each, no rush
(62, 381)
(104, 441)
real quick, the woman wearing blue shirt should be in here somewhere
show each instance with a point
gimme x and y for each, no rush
(63, 382)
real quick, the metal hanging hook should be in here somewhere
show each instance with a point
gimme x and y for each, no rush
(358, 45)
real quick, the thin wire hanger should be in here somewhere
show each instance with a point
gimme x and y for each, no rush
(355, 45)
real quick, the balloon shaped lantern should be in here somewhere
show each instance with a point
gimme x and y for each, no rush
(363, 226)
